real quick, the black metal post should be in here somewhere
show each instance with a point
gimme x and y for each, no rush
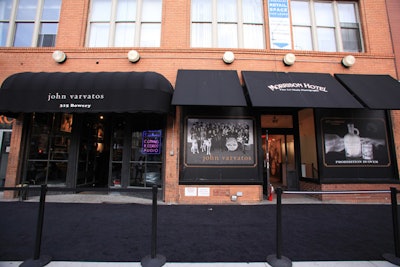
(154, 224)
(279, 223)
(395, 220)
(278, 260)
(38, 260)
(154, 259)
(395, 259)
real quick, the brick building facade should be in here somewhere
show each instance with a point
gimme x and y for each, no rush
(301, 128)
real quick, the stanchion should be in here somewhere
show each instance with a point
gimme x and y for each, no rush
(154, 259)
(278, 260)
(39, 260)
(395, 259)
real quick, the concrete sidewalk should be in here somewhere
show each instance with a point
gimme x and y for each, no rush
(213, 264)
(121, 198)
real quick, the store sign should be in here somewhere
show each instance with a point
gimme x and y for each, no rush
(279, 23)
(73, 101)
(297, 87)
(151, 142)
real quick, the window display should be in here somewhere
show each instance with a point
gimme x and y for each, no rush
(354, 145)
(219, 142)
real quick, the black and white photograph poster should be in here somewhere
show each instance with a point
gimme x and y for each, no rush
(219, 141)
(355, 142)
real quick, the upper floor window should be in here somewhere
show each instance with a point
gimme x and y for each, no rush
(124, 23)
(29, 23)
(328, 26)
(227, 24)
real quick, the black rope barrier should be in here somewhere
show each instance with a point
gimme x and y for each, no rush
(395, 259)
(277, 260)
(38, 260)
(157, 260)
(154, 259)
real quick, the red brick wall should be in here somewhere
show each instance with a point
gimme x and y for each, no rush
(380, 192)
(393, 7)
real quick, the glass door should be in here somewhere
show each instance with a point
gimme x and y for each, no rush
(48, 150)
(93, 154)
(280, 160)
(146, 165)
(136, 151)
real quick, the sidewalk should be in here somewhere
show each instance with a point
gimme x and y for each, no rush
(212, 264)
(121, 198)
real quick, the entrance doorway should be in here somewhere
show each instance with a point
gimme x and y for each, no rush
(93, 152)
(280, 158)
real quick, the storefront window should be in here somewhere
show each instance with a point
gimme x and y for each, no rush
(136, 151)
(49, 149)
(220, 150)
(117, 152)
(145, 164)
(5, 141)
(354, 145)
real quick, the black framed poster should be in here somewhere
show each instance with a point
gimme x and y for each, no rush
(354, 145)
(219, 142)
(354, 142)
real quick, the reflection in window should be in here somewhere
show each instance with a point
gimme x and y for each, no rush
(145, 169)
(123, 23)
(31, 27)
(227, 24)
(326, 26)
(49, 149)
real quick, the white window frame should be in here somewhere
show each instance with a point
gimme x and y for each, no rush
(12, 24)
(113, 23)
(239, 23)
(337, 26)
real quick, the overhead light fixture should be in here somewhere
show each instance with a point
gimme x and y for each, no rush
(289, 59)
(59, 56)
(133, 56)
(228, 57)
(348, 61)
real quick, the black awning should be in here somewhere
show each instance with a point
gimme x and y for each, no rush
(375, 91)
(86, 92)
(299, 90)
(208, 88)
